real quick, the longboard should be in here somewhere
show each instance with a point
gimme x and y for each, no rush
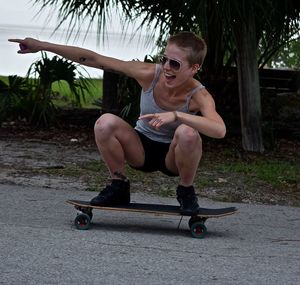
(196, 222)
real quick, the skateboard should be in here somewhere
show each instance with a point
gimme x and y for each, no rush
(196, 222)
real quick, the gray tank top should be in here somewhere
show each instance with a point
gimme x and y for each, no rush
(148, 106)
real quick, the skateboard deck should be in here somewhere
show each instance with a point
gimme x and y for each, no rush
(196, 222)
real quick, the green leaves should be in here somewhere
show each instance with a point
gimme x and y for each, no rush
(42, 74)
(13, 95)
(32, 97)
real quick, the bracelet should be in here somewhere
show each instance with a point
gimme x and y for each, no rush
(175, 116)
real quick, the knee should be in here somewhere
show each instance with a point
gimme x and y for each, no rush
(104, 125)
(188, 138)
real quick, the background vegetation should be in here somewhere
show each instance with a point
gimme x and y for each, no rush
(57, 84)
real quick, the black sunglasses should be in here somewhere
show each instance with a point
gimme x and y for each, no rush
(173, 63)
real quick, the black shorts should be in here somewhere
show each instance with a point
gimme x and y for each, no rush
(155, 154)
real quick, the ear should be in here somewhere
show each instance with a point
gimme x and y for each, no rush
(196, 68)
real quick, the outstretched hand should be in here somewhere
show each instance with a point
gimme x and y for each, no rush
(158, 119)
(28, 45)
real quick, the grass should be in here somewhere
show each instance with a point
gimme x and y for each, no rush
(278, 173)
(4, 79)
(63, 96)
(223, 177)
(222, 167)
(226, 173)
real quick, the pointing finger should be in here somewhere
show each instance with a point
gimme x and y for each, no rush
(15, 40)
(148, 116)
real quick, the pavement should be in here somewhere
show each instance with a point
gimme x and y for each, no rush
(40, 245)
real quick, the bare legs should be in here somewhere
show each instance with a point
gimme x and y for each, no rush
(118, 142)
(185, 154)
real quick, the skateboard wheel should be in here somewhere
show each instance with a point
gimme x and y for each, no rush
(198, 230)
(89, 213)
(195, 219)
(82, 222)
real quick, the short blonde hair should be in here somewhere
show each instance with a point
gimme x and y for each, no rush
(195, 46)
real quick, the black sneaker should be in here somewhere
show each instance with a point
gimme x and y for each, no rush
(188, 200)
(112, 195)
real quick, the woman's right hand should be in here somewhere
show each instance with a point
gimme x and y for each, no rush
(28, 45)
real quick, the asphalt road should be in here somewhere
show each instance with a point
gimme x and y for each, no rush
(39, 244)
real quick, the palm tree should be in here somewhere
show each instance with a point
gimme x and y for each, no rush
(41, 75)
(233, 29)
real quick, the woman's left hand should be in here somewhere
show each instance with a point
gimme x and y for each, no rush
(158, 119)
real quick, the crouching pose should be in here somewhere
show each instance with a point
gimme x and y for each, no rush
(166, 136)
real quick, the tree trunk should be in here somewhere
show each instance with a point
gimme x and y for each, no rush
(110, 93)
(248, 79)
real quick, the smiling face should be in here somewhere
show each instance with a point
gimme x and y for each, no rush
(176, 67)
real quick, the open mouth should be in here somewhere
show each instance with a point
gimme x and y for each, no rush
(170, 76)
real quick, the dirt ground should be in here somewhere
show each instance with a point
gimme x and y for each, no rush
(61, 159)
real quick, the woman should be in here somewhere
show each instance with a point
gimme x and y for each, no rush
(167, 134)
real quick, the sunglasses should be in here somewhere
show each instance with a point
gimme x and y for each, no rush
(173, 63)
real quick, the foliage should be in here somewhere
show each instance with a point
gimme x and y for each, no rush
(276, 21)
(78, 12)
(129, 99)
(288, 56)
(63, 97)
(31, 98)
(13, 98)
(41, 76)
(129, 92)
(126, 101)
(234, 31)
